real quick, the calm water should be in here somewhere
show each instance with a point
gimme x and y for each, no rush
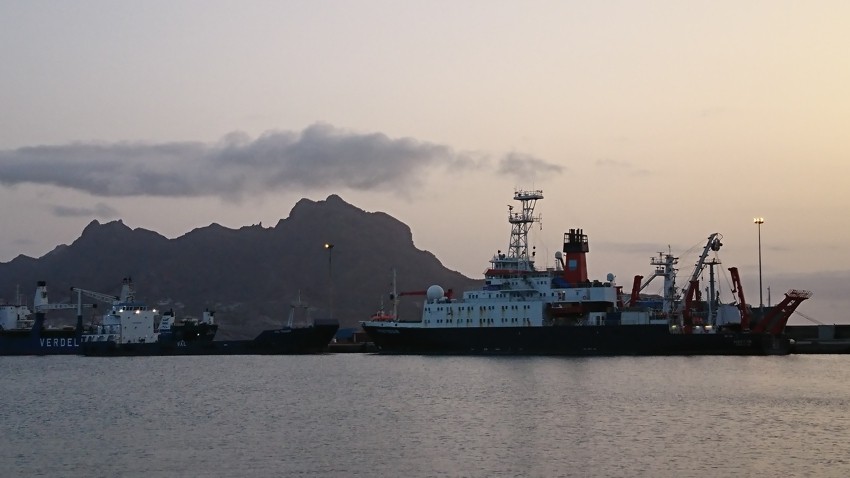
(367, 415)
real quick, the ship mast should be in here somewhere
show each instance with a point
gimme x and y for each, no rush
(521, 223)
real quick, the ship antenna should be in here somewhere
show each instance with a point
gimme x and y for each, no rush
(395, 297)
(521, 223)
(292, 307)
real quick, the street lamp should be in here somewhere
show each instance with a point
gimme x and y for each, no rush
(330, 248)
(759, 221)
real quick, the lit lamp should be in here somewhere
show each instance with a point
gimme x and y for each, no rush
(759, 221)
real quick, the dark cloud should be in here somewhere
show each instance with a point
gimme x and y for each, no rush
(237, 165)
(99, 210)
(526, 167)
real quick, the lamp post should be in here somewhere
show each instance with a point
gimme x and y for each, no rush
(330, 248)
(759, 221)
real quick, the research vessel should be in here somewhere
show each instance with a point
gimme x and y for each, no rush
(558, 310)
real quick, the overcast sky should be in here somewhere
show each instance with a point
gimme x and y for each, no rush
(649, 124)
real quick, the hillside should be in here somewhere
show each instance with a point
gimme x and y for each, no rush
(248, 275)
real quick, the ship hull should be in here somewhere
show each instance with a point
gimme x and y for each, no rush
(287, 341)
(570, 340)
(41, 340)
(192, 332)
(44, 342)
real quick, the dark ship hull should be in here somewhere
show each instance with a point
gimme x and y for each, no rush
(200, 332)
(603, 340)
(819, 339)
(285, 341)
(40, 340)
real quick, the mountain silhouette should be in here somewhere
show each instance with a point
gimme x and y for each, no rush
(250, 276)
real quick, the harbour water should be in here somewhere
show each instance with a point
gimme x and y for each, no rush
(367, 415)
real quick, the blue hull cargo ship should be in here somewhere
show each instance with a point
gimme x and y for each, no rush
(23, 332)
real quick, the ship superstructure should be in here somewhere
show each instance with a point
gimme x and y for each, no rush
(517, 293)
(15, 316)
(127, 320)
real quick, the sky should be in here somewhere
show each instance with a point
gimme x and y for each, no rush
(649, 124)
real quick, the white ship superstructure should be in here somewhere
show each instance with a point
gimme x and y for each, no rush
(517, 294)
(126, 322)
(16, 315)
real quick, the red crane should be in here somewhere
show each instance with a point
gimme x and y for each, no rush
(692, 298)
(774, 321)
(742, 304)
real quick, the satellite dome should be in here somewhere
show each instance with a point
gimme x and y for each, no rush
(435, 292)
(610, 277)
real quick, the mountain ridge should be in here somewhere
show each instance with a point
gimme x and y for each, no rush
(249, 275)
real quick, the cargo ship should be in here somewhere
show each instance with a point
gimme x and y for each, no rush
(23, 331)
(129, 329)
(557, 310)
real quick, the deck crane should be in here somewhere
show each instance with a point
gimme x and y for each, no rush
(746, 316)
(128, 294)
(665, 266)
(773, 322)
(41, 304)
(692, 293)
(692, 298)
(109, 299)
(713, 244)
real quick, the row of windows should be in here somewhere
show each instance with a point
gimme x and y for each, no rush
(481, 321)
(527, 294)
(482, 307)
